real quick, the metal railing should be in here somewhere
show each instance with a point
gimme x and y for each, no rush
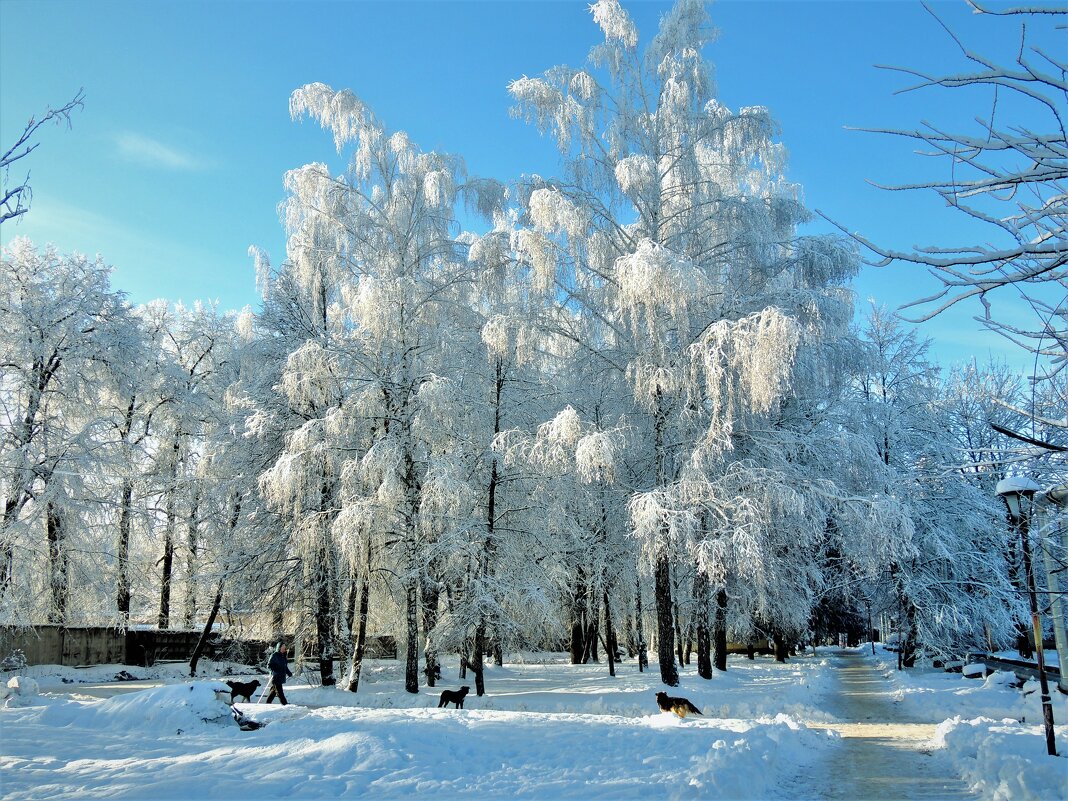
(1023, 670)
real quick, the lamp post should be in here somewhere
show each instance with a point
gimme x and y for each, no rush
(1012, 490)
(1052, 538)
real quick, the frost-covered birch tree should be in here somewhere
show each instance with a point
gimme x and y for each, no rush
(580, 510)
(377, 247)
(945, 575)
(192, 343)
(62, 329)
(133, 398)
(673, 229)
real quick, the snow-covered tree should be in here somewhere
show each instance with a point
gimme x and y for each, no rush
(375, 250)
(133, 398)
(673, 232)
(193, 344)
(62, 329)
(945, 576)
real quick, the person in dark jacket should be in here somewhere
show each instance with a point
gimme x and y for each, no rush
(279, 667)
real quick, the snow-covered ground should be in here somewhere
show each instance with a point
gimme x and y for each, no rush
(545, 729)
(992, 730)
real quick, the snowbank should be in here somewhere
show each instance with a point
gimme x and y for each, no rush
(176, 708)
(992, 730)
(949, 695)
(1002, 760)
(19, 691)
(550, 730)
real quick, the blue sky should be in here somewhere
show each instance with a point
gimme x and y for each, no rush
(175, 165)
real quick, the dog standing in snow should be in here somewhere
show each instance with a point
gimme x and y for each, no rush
(242, 688)
(680, 706)
(454, 697)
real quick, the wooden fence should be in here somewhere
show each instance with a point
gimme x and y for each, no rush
(72, 646)
(56, 645)
(95, 645)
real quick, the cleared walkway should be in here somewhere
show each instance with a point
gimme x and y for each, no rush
(883, 754)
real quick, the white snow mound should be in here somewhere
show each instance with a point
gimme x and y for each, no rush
(20, 691)
(172, 709)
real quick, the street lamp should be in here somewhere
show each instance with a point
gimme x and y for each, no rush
(1051, 534)
(1013, 490)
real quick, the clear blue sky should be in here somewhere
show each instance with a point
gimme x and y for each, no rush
(175, 165)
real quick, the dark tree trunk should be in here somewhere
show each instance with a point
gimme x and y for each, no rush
(489, 548)
(58, 564)
(411, 510)
(351, 604)
(589, 647)
(122, 588)
(908, 647)
(780, 646)
(609, 636)
(122, 599)
(665, 642)
(171, 513)
(164, 620)
(324, 619)
(411, 666)
(206, 633)
(576, 642)
(578, 619)
(431, 596)
(191, 564)
(278, 620)
(719, 629)
(704, 656)
(7, 550)
(639, 627)
(324, 576)
(665, 645)
(361, 622)
(478, 664)
(629, 640)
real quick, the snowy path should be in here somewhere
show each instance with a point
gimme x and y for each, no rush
(883, 753)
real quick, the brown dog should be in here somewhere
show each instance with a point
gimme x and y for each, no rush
(680, 706)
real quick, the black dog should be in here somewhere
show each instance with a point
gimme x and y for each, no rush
(454, 696)
(242, 688)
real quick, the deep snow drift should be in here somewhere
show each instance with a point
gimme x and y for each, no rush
(546, 729)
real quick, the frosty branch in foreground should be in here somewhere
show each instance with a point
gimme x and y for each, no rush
(16, 200)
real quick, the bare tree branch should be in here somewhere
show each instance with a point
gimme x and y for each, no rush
(16, 200)
(1007, 175)
(1008, 432)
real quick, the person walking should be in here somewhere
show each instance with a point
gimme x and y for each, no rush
(279, 667)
